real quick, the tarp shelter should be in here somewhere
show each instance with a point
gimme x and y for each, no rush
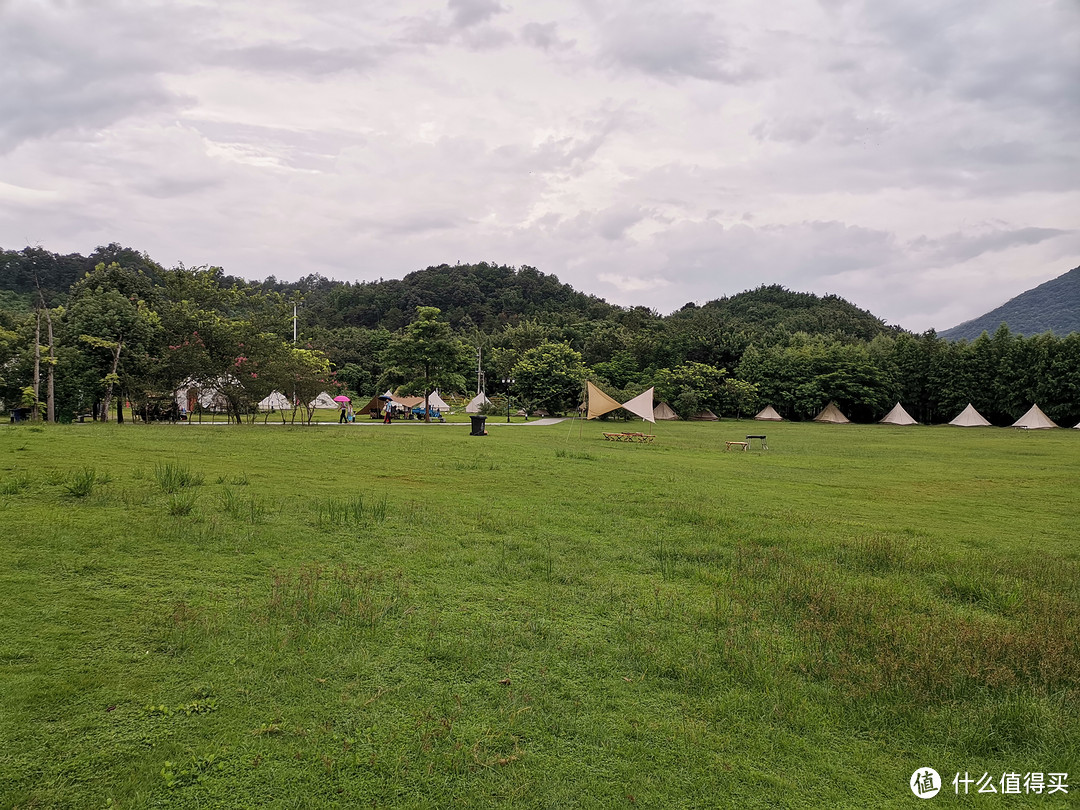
(1034, 419)
(323, 400)
(705, 416)
(374, 405)
(831, 414)
(277, 401)
(599, 403)
(969, 417)
(476, 403)
(663, 411)
(642, 405)
(769, 414)
(898, 416)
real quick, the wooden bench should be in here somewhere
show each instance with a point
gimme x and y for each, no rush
(629, 437)
(741, 445)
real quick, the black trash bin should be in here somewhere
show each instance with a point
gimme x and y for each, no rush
(478, 426)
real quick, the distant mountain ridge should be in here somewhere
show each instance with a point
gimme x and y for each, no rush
(1050, 307)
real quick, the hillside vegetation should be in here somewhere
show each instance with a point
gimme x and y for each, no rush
(1050, 307)
(116, 326)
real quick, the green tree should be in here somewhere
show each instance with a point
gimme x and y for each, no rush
(549, 377)
(427, 355)
(691, 388)
(116, 332)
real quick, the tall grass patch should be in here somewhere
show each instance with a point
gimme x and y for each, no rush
(173, 477)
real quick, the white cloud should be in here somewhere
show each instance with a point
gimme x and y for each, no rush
(916, 158)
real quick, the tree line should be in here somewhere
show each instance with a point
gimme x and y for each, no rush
(116, 326)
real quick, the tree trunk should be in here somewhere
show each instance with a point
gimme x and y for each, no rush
(120, 409)
(34, 414)
(427, 393)
(51, 412)
(109, 387)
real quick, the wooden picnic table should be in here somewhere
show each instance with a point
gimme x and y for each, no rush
(629, 437)
(739, 445)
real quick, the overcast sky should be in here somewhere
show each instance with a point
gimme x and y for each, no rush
(918, 157)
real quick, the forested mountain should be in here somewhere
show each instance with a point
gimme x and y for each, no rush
(1050, 307)
(117, 326)
(483, 295)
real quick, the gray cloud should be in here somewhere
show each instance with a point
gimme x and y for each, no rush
(964, 246)
(545, 36)
(670, 44)
(467, 13)
(62, 71)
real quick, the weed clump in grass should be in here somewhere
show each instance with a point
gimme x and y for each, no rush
(15, 484)
(251, 509)
(181, 504)
(334, 512)
(81, 484)
(174, 477)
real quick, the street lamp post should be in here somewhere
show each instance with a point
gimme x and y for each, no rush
(507, 381)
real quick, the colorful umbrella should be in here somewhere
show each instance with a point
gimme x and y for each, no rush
(342, 398)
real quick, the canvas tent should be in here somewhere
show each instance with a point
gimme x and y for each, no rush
(642, 405)
(1034, 419)
(969, 417)
(476, 403)
(898, 416)
(705, 416)
(769, 414)
(277, 401)
(831, 414)
(323, 400)
(663, 411)
(435, 401)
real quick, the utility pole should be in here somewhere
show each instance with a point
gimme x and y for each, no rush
(479, 372)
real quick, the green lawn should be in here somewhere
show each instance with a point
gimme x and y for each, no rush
(304, 617)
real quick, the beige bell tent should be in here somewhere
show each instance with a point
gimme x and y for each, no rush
(437, 402)
(642, 405)
(969, 417)
(1077, 426)
(276, 401)
(898, 416)
(476, 403)
(705, 416)
(323, 400)
(769, 414)
(1034, 419)
(831, 414)
(663, 411)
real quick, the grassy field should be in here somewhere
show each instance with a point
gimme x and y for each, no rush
(305, 617)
